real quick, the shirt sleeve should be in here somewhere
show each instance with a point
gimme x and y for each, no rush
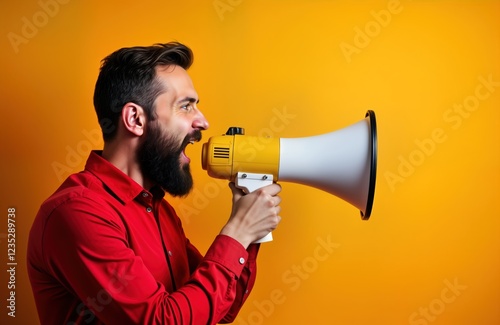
(245, 283)
(243, 262)
(86, 249)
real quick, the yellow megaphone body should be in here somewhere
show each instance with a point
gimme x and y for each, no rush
(342, 163)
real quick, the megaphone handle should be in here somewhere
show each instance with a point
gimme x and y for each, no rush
(265, 239)
(249, 182)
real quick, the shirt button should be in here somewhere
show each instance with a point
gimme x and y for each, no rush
(242, 260)
(148, 209)
(144, 194)
(169, 253)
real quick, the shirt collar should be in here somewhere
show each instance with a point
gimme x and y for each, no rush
(122, 186)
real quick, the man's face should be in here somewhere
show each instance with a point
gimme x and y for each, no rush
(161, 155)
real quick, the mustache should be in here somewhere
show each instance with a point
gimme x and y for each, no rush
(193, 136)
(196, 135)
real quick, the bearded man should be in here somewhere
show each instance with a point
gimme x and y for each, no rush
(107, 247)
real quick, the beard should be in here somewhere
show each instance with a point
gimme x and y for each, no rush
(159, 160)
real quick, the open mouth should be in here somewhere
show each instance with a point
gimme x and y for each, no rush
(190, 139)
(184, 155)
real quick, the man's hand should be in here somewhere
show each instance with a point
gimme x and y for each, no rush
(253, 215)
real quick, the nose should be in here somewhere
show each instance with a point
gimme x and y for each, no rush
(199, 121)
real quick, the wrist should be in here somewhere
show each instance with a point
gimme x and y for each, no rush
(238, 236)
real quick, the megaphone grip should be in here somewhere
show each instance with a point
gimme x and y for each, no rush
(249, 182)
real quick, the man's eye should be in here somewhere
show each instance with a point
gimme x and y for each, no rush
(186, 107)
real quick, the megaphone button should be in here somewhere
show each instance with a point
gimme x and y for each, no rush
(233, 130)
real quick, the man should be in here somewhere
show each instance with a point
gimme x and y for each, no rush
(106, 247)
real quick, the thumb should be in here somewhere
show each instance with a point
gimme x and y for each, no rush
(237, 193)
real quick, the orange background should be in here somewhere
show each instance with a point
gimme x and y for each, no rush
(430, 254)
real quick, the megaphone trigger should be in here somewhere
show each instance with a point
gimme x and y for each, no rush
(250, 182)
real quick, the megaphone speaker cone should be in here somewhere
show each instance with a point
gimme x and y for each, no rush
(342, 163)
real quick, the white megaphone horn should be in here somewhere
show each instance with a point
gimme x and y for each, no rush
(342, 162)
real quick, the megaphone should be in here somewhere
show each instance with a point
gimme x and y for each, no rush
(342, 162)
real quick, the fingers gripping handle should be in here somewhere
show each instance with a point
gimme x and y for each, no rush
(249, 182)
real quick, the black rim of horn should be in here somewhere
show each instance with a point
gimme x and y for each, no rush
(373, 167)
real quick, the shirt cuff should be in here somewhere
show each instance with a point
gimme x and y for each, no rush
(229, 253)
(253, 250)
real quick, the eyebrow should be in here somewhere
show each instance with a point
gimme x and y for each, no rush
(189, 100)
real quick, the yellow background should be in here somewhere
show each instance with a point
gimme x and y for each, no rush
(430, 254)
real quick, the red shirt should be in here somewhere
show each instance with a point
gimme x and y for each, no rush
(103, 250)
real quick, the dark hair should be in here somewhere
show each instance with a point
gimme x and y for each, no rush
(129, 75)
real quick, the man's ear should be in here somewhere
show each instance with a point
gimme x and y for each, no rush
(134, 118)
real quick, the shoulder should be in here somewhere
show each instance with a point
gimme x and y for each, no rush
(80, 198)
(78, 216)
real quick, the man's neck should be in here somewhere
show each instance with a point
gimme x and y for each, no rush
(124, 158)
